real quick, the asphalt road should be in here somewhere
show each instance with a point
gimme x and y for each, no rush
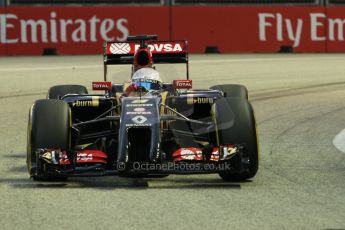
(300, 108)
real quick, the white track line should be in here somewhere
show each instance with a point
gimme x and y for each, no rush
(339, 141)
(270, 59)
(225, 60)
(49, 68)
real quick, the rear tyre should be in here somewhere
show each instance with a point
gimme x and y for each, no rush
(232, 90)
(236, 125)
(58, 91)
(48, 127)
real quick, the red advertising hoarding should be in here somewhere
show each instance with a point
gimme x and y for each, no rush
(82, 30)
(77, 30)
(2, 46)
(335, 23)
(249, 29)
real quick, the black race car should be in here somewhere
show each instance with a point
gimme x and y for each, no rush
(177, 131)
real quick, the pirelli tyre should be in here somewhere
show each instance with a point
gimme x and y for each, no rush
(58, 91)
(235, 122)
(232, 90)
(49, 126)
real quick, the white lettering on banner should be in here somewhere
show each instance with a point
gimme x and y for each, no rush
(63, 28)
(55, 29)
(293, 35)
(280, 27)
(314, 24)
(106, 26)
(4, 25)
(319, 22)
(34, 26)
(263, 24)
(79, 35)
(93, 23)
(296, 37)
(334, 24)
(123, 29)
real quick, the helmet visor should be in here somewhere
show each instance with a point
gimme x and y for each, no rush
(149, 85)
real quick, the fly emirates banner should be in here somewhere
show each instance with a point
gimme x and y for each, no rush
(82, 30)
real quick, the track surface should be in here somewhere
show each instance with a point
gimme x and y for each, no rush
(300, 107)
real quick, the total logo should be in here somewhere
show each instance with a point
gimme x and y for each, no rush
(182, 84)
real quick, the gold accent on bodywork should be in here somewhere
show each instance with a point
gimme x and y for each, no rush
(164, 97)
(203, 143)
(83, 146)
(95, 101)
(190, 100)
(213, 114)
(257, 136)
(163, 110)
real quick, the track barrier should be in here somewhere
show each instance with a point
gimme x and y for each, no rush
(63, 30)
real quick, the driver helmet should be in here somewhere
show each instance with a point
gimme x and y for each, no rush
(145, 80)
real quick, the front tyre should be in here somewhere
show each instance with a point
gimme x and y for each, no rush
(49, 127)
(235, 122)
(58, 91)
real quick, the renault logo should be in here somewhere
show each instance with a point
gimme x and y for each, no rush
(139, 119)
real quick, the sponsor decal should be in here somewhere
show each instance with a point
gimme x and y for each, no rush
(139, 113)
(140, 101)
(47, 156)
(84, 157)
(199, 100)
(215, 154)
(93, 103)
(139, 109)
(120, 48)
(156, 47)
(188, 154)
(82, 103)
(228, 152)
(139, 105)
(138, 125)
(182, 84)
(163, 47)
(80, 157)
(139, 119)
(101, 85)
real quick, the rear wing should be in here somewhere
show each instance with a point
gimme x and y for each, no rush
(122, 53)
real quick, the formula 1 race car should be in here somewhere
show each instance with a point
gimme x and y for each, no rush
(144, 127)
